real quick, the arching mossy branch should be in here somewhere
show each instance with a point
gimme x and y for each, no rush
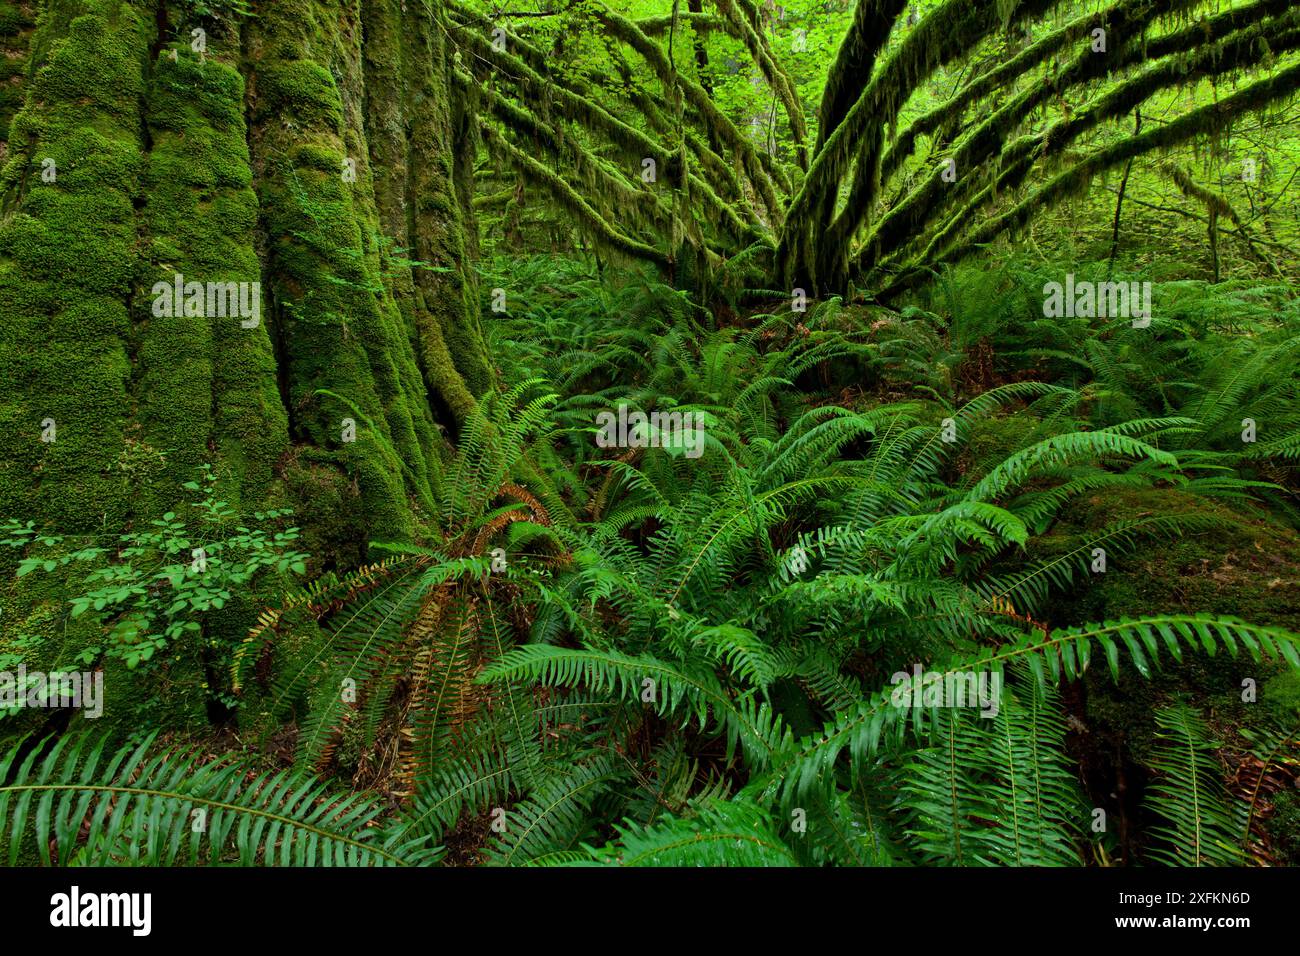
(760, 169)
(1195, 123)
(985, 147)
(945, 34)
(571, 200)
(599, 178)
(1036, 54)
(743, 22)
(699, 22)
(856, 58)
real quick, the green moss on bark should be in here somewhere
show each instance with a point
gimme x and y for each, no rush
(17, 21)
(206, 385)
(67, 264)
(339, 328)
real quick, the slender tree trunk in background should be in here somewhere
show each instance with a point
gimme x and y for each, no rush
(701, 54)
(310, 150)
(1213, 228)
(1119, 200)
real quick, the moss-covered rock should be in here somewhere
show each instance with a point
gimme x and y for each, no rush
(1244, 566)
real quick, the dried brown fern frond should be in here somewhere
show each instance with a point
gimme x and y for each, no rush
(323, 596)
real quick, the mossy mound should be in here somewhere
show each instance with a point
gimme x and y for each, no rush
(1244, 566)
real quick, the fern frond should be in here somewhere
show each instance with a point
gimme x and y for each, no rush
(149, 806)
(1201, 828)
(716, 833)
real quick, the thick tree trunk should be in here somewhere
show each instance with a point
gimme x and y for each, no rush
(311, 149)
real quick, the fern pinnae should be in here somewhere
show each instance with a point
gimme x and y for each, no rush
(143, 803)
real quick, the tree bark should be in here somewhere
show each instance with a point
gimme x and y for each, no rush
(1119, 199)
(312, 152)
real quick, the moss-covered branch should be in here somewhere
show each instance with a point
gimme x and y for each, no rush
(1195, 123)
(1216, 206)
(982, 147)
(569, 198)
(1036, 54)
(856, 58)
(946, 33)
(759, 170)
(600, 179)
(742, 15)
(700, 22)
(1240, 50)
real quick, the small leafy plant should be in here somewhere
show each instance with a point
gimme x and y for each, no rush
(157, 584)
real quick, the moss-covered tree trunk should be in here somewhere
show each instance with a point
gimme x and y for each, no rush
(311, 150)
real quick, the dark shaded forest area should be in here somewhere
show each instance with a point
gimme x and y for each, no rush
(705, 433)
